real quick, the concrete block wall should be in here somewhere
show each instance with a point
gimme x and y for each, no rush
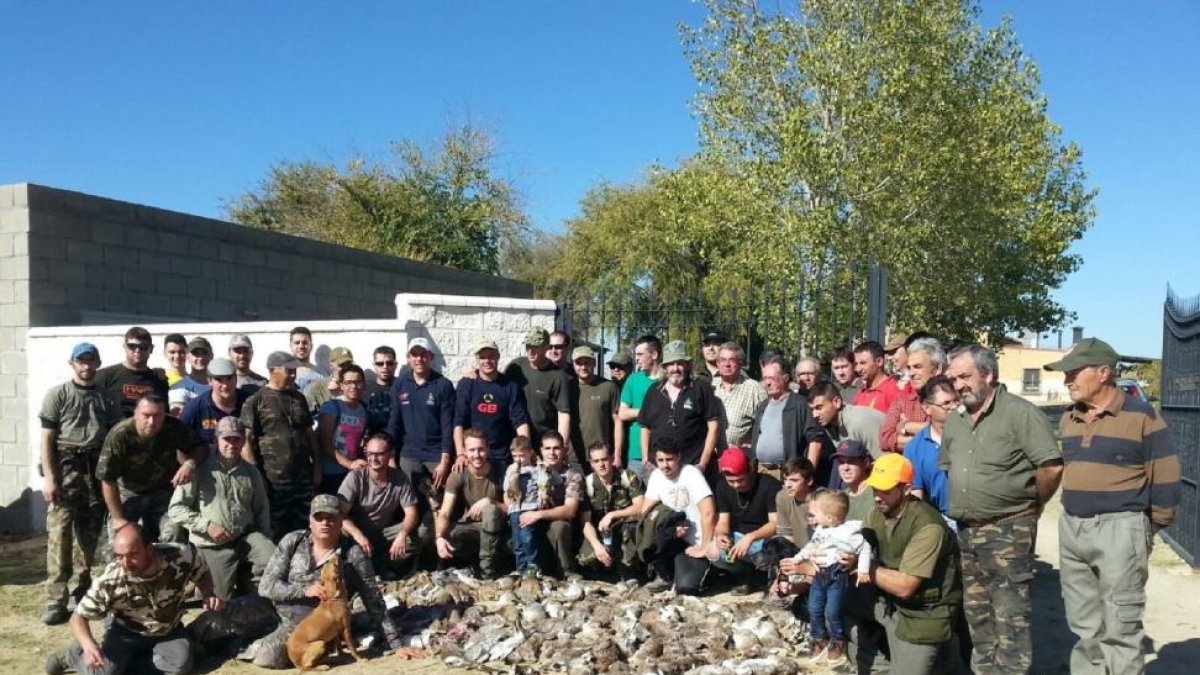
(452, 323)
(94, 260)
(14, 322)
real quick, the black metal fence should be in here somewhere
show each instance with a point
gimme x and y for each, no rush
(1181, 410)
(785, 316)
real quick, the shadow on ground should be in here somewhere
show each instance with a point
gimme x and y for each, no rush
(1176, 658)
(1052, 638)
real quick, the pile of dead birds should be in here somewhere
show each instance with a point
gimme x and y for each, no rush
(530, 625)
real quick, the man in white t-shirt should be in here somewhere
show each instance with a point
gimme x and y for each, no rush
(681, 488)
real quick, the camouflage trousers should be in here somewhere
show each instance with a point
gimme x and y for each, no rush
(478, 541)
(623, 550)
(997, 569)
(73, 528)
(289, 503)
(1104, 562)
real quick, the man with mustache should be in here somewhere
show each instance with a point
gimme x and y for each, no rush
(1003, 465)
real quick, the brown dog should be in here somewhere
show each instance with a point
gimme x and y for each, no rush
(328, 624)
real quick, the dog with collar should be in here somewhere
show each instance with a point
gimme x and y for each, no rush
(321, 631)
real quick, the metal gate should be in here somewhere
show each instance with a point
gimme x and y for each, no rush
(1181, 411)
(783, 316)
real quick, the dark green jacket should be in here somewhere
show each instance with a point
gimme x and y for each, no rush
(926, 617)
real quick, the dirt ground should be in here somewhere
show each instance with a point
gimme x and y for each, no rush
(1172, 619)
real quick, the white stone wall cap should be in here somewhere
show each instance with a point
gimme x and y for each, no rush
(440, 300)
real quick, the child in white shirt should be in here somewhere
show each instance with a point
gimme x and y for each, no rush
(832, 536)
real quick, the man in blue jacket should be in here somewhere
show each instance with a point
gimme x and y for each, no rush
(422, 422)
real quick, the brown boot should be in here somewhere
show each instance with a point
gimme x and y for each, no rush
(817, 650)
(836, 654)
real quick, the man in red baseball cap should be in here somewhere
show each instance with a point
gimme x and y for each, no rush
(745, 518)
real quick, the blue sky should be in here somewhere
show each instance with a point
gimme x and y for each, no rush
(182, 105)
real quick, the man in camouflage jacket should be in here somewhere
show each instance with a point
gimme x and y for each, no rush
(143, 593)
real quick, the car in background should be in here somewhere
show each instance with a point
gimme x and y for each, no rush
(1133, 388)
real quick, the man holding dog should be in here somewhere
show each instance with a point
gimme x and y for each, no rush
(292, 580)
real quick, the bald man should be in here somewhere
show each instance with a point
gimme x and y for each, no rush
(143, 591)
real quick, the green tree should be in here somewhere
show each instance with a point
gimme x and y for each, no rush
(839, 133)
(442, 203)
(904, 134)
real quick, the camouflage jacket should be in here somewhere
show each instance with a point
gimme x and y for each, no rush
(292, 570)
(153, 606)
(620, 495)
(282, 429)
(144, 465)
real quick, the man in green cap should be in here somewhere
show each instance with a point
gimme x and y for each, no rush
(620, 366)
(684, 410)
(547, 399)
(1120, 486)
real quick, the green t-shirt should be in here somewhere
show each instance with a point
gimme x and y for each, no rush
(991, 465)
(594, 404)
(632, 395)
(861, 504)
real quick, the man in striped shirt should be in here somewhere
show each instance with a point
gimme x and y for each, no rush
(1120, 486)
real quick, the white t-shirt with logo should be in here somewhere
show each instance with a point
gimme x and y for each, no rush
(682, 494)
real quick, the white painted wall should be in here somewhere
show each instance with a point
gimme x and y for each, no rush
(453, 323)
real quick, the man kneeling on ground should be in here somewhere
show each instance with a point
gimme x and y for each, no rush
(470, 522)
(380, 509)
(143, 591)
(614, 499)
(225, 510)
(293, 580)
(681, 488)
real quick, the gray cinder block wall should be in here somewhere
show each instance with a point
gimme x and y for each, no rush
(68, 258)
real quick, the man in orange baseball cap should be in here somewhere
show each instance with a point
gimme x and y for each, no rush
(916, 571)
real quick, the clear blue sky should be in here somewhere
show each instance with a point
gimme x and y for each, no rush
(181, 105)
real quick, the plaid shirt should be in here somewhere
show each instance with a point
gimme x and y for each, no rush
(738, 404)
(909, 406)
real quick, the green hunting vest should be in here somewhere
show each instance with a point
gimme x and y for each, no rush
(925, 618)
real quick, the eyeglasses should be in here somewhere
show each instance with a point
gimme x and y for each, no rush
(379, 455)
(382, 364)
(556, 347)
(946, 405)
(138, 346)
(352, 383)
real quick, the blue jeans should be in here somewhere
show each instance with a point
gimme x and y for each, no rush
(635, 465)
(524, 542)
(825, 600)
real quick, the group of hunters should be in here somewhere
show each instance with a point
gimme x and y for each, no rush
(890, 496)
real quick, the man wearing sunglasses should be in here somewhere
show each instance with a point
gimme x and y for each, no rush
(378, 395)
(132, 378)
(557, 349)
(241, 353)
